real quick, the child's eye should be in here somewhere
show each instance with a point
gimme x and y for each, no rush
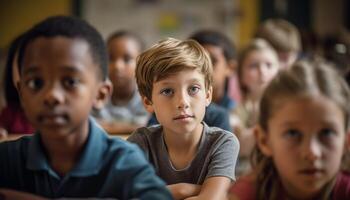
(293, 134)
(253, 66)
(127, 59)
(269, 65)
(167, 92)
(70, 82)
(35, 83)
(326, 132)
(193, 90)
(213, 60)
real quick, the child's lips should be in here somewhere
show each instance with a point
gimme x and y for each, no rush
(53, 118)
(311, 172)
(183, 117)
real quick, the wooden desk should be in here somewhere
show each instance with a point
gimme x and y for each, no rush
(15, 136)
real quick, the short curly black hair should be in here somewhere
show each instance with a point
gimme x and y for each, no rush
(215, 38)
(70, 27)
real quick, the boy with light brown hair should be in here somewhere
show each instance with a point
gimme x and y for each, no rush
(175, 81)
(284, 37)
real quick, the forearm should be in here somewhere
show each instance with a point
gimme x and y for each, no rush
(184, 190)
(214, 188)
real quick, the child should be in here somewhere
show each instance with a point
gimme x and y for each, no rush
(174, 80)
(222, 54)
(63, 68)
(284, 37)
(257, 65)
(124, 112)
(301, 137)
(12, 118)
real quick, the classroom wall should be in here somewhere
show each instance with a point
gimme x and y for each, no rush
(17, 16)
(156, 19)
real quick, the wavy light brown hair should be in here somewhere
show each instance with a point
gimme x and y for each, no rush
(168, 57)
(281, 34)
(303, 78)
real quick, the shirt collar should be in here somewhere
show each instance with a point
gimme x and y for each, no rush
(90, 158)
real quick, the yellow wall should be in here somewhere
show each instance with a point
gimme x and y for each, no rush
(16, 16)
(248, 21)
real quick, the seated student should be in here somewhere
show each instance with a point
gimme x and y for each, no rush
(284, 37)
(222, 54)
(63, 68)
(257, 65)
(12, 117)
(124, 112)
(174, 79)
(302, 137)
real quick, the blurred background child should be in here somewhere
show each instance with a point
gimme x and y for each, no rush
(257, 65)
(223, 56)
(12, 117)
(124, 111)
(284, 37)
(301, 137)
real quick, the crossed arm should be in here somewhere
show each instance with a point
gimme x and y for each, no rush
(212, 188)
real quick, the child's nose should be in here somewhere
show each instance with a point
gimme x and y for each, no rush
(53, 96)
(312, 150)
(183, 101)
(118, 65)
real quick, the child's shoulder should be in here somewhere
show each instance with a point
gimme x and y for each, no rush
(244, 188)
(15, 151)
(220, 134)
(16, 145)
(147, 133)
(342, 186)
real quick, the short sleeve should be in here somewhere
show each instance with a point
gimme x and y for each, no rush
(224, 157)
(138, 137)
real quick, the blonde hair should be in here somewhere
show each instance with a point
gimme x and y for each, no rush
(168, 57)
(303, 78)
(281, 34)
(257, 44)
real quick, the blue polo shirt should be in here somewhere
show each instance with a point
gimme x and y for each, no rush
(108, 168)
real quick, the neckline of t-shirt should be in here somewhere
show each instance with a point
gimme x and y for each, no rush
(201, 143)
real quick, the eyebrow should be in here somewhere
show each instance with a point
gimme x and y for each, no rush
(35, 69)
(171, 82)
(30, 70)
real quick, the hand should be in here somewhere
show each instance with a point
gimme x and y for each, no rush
(3, 134)
(184, 190)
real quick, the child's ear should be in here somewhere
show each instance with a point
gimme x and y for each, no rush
(231, 66)
(347, 142)
(103, 94)
(147, 104)
(262, 140)
(209, 95)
